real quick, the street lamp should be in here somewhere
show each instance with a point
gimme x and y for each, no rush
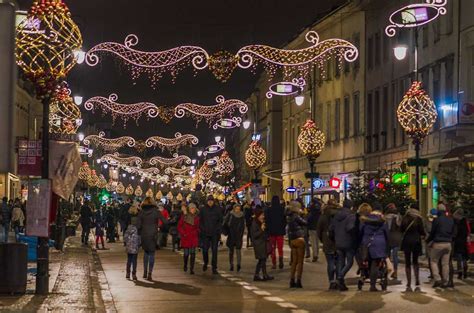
(299, 99)
(78, 100)
(79, 55)
(400, 52)
(193, 161)
(80, 136)
(199, 153)
(217, 139)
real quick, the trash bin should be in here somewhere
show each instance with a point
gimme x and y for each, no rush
(32, 243)
(13, 268)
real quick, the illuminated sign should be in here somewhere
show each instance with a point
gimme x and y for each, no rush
(291, 189)
(318, 183)
(424, 180)
(227, 123)
(416, 15)
(286, 88)
(401, 178)
(335, 183)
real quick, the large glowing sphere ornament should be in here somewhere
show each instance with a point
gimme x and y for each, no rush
(417, 113)
(311, 140)
(225, 165)
(205, 172)
(64, 116)
(255, 156)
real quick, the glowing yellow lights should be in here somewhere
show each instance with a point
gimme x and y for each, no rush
(138, 191)
(311, 140)
(84, 171)
(65, 115)
(255, 156)
(120, 188)
(159, 195)
(93, 179)
(225, 165)
(222, 64)
(205, 172)
(149, 193)
(417, 113)
(129, 190)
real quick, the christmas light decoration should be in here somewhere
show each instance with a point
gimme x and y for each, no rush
(177, 171)
(102, 182)
(227, 123)
(415, 15)
(179, 140)
(296, 62)
(111, 185)
(222, 64)
(417, 113)
(84, 171)
(205, 172)
(149, 193)
(212, 161)
(214, 148)
(255, 156)
(169, 196)
(179, 197)
(124, 111)
(64, 114)
(120, 188)
(129, 190)
(176, 160)
(107, 144)
(180, 179)
(116, 160)
(154, 64)
(138, 191)
(45, 44)
(159, 195)
(225, 165)
(311, 140)
(286, 88)
(210, 113)
(93, 179)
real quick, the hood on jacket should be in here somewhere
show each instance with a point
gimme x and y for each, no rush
(330, 210)
(237, 215)
(374, 218)
(342, 214)
(132, 229)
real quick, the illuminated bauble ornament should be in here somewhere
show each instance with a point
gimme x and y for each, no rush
(64, 116)
(84, 171)
(159, 195)
(102, 182)
(179, 197)
(255, 156)
(138, 191)
(149, 193)
(417, 113)
(169, 196)
(129, 190)
(120, 188)
(311, 140)
(205, 172)
(225, 165)
(45, 44)
(93, 179)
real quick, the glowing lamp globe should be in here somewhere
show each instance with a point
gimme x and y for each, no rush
(246, 124)
(299, 100)
(225, 165)
(400, 52)
(255, 156)
(311, 140)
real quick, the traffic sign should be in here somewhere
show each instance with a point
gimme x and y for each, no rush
(420, 162)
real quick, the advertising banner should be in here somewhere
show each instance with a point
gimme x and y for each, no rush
(38, 207)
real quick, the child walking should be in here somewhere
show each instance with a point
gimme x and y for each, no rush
(132, 244)
(188, 228)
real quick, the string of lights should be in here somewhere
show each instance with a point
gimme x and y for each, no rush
(255, 155)
(176, 160)
(108, 144)
(225, 165)
(116, 160)
(171, 144)
(311, 139)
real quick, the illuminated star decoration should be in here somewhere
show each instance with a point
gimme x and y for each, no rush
(210, 113)
(225, 165)
(311, 140)
(116, 160)
(406, 17)
(171, 144)
(64, 114)
(124, 111)
(296, 62)
(107, 144)
(417, 113)
(176, 160)
(153, 64)
(255, 155)
(228, 123)
(286, 88)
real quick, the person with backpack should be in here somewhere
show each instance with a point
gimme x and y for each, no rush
(394, 221)
(234, 227)
(132, 245)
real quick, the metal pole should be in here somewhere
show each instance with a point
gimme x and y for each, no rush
(311, 166)
(417, 172)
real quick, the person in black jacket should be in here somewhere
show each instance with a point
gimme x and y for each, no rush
(413, 231)
(234, 223)
(461, 254)
(173, 226)
(313, 219)
(276, 223)
(259, 240)
(440, 240)
(248, 212)
(86, 222)
(296, 233)
(394, 221)
(329, 246)
(211, 219)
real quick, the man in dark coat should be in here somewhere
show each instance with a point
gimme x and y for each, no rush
(124, 216)
(248, 212)
(211, 219)
(235, 225)
(329, 247)
(275, 221)
(86, 221)
(313, 219)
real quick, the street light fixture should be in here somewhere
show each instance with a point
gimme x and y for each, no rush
(218, 139)
(246, 124)
(193, 161)
(299, 99)
(79, 55)
(400, 52)
(78, 100)
(199, 153)
(80, 136)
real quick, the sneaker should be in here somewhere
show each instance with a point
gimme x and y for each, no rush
(258, 278)
(408, 289)
(373, 289)
(292, 283)
(134, 276)
(204, 267)
(342, 286)
(298, 283)
(238, 267)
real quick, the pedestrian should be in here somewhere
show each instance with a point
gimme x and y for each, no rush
(5, 218)
(234, 223)
(18, 219)
(313, 219)
(111, 223)
(343, 226)
(173, 226)
(413, 232)
(296, 231)
(462, 233)
(327, 239)
(248, 212)
(86, 221)
(188, 228)
(259, 241)
(432, 215)
(162, 227)
(394, 221)
(99, 223)
(275, 220)
(123, 215)
(147, 228)
(211, 219)
(132, 244)
(374, 235)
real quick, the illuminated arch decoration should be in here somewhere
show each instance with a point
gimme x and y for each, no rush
(227, 123)
(64, 115)
(415, 15)
(154, 64)
(116, 160)
(177, 171)
(210, 113)
(212, 149)
(286, 88)
(225, 165)
(176, 160)
(171, 144)
(109, 144)
(255, 155)
(205, 172)
(45, 44)
(311, 140)
(296, 62)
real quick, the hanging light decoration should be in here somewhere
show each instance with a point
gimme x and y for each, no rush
(64, 115)
(255, 156)
(177, 171)
(205, 172)
(222, 64)
(417, 113)
(149, 193)
(225, 165)
(179, 197)
(159, 195)
(102, 182)
(138, 191)
(45, 44)
(179, 140)
(93, 179)
(120, 188)
(311, 140)
(176, 160)
(116, 160)
(107, 144)
(84, 171)
(129, 190)
(111, 185)
(169, 196)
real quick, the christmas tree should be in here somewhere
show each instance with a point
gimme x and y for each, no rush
(358, 189)
(467, 193)
(450, 189)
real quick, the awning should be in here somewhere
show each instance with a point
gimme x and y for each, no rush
(464, 153)
(241, 188)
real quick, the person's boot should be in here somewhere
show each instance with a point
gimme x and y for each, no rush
(464, 270)
(298, 283)
(265, 274)
(408, 273)
(238, 268)
(256, 276)
(342, 286)
(193, 260)
(417, 277)
(145, 274)
(149, 276)
(280, 262)
(274, 266)
(292, 283)
(128, 275)
(373, 288)
(134, 276)
(231, 267)
(185, 268)
(394, 274)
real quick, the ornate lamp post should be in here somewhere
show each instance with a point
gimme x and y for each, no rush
(45, 45)
(311, 142)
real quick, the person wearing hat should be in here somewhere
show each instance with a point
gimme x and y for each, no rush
(394, 221)
(211, 219)
(188, 228)
(234, 227)
(462, 233)
(259, 240)
(296, 232)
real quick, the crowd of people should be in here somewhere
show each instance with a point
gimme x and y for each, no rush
(12, 217)
(369, 235)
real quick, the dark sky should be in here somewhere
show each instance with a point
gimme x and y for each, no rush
(213, 25)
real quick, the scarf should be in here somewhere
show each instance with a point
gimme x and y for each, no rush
(189, 218)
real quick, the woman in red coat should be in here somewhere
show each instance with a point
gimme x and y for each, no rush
(188, 228)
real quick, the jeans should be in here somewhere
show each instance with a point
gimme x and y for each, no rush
(188, 251)
(345, 259)
(210, 242)
(149, 261)
(462, 263)
(17, 230)
(331, 266)
(132, 262)
(394, 257)
(297, 255)
(231, 256)
(313, 238)
(123, 227)
(85, 232)
(440, 251)
(277, 244)
(6, 230)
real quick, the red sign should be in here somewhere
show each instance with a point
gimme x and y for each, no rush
(38, 207)
(29, 157)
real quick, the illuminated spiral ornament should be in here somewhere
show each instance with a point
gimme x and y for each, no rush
(255, 156)
(129, 190)
(120, 188)
(311, 140)
(225, 165)
(417, 113)
(205, 172)
(138, 191)
(84, 171)
(159, 195)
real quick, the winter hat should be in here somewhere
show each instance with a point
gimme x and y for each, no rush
(441, 207)
(210, 197)
(433, 212)
(192, 205)
(236, 205)
(295, 206)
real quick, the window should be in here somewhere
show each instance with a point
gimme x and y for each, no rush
(370, 53)
(425, 36)
(337, 120)
(356, 41)
(402, 88)
(385, 117)
(286, 144)
(328, 121)
(377, 49)
(369, 122)
(376, 119)
(347, 112)
(356, 114)
(393, 111)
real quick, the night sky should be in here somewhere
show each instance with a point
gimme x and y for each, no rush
(159, 25)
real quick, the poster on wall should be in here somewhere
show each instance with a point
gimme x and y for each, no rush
(64, 164)
(38, 207)
(466, 114)
(29, 157)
